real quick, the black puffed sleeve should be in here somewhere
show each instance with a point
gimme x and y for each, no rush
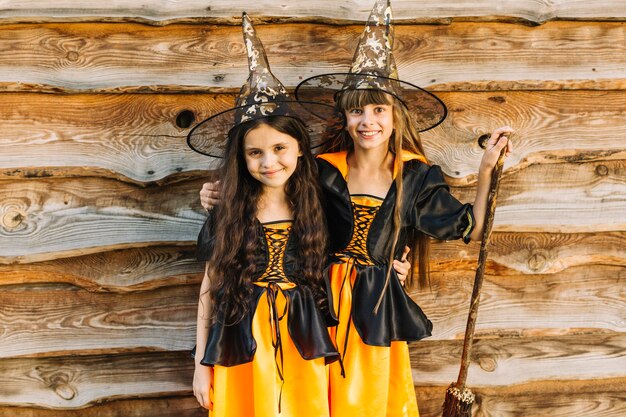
(206, 239)
(439, 214)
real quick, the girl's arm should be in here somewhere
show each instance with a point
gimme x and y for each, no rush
(203, 375)
(498, 140)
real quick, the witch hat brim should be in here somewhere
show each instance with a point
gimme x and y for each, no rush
(426, 109)
(321, 121)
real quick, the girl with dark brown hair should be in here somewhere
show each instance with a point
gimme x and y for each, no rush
(262, 341)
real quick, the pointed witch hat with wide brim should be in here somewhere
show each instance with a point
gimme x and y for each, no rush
(374, 68)
(262, 95)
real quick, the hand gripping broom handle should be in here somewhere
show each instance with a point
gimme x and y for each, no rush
(480, 271)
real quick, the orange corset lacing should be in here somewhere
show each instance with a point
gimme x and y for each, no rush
(364, 208)
(276, 236)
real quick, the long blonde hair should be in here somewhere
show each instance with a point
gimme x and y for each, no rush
(404, 138)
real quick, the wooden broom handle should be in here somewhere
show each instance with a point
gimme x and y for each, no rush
(480, 271)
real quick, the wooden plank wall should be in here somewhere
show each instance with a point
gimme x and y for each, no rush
(99, 207)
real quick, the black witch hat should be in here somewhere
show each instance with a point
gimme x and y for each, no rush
(262, 95)
(374, 68)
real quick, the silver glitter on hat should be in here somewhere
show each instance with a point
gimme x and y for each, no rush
(374, 68)
(262, 95)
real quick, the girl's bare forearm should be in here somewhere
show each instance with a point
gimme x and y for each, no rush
(204, 313)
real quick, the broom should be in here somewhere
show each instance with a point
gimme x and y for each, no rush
(459, 398)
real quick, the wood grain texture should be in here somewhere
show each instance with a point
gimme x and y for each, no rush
(585, 299)
(550, 127)
(161, 406)
(53, 319)
(49, 320)
(140, 269)
(601, 397)
(75, 382)
(563, 198)
(46, 219)
(135, 269)
(513, 361)
(135, 137)
(532, 253)
(487, 56)
(163, 11)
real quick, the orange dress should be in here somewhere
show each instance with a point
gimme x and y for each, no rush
(277, 380)
(371, 381)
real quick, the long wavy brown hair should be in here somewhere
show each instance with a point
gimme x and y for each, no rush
(404, 138)
(232, 264)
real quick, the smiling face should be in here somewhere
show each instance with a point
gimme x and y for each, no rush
(271, 156)
(371, 125)
(369, 117)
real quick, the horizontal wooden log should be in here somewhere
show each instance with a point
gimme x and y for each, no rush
(532, 253)
(38, 320)
(76, 382)
(556, 404)
(578, 300)
(46, 219)
(135, 137)
(163, 406)
(57, 319)
(476, 56)
(562, 198)
(601, 398)
(113, 271)
(154, 267)
(430, 11)
(550, 127)
(132, 137)
(99, 385)
(511, 361)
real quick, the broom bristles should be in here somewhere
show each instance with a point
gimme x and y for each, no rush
(458, 402)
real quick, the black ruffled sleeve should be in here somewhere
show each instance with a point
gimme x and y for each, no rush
(206, 239)
(439, 214)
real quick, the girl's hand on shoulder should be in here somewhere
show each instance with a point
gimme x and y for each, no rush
(402, 266)
(498, 140)
(210, 194)
(203, 385)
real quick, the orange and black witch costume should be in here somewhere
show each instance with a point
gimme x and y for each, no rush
(272, 361)
(373, 377)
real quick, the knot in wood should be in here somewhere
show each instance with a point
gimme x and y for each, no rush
(13, 218)
(185, 118)
(497, 99)
(537, 261)
(65, 391)
(482, 140)
(602, 170)
(72, 56)
(57, 381)
(487, 364)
